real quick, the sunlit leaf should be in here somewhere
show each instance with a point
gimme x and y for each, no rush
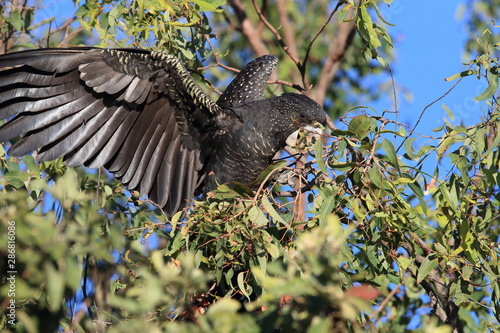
(360, 125)
(268, 207)
(242, 285)
(15, 178)
(390, 152)
(409, 148)
(318, 152)
(492, 77)
(461, 74)
(427, 265)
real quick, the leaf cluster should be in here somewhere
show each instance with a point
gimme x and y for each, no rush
(175, 27)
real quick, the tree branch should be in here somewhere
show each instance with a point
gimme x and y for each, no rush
(336, 54)
(289, 34)
(436, 288)
(284, 46)
(311, 42)
(253, 34)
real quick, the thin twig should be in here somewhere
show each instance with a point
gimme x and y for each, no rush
(423, 112)
(311, 42)
(288, 30)
(276, 34)
(385, 301)
(253, 34)
(283, 44)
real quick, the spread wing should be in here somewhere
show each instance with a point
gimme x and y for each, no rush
(250, 83)
(135, 112)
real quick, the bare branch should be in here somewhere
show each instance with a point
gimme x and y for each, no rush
(437, 289)
(286, 83)
(276, 34)
(329, 122)
(311, 42)
(385, 301)
(336, 54)
(289, 33)
(284, 46)
(424, 110)
(253, 34)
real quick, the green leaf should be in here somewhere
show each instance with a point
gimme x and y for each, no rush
(365, 27)
(16, 20)
(467, 240)
(223, 307)
(55, 287)
(375, 176)
(268, 170)
(452, 200)
(273, 250)
(32, 166)
(374, 4)
(318, 152)
(257, 216)
(114, 15)
(261, 259)
(461, 74)
(242, 284)
(404, 262)
(268, 207)
(341, 133)
(428, 264)
(360, 125)
(390, 153)
(467, 272)
(108, 190)
(320, 325)
(173, 222)
(12, 165)
(419, 193)
(199, 258)
(494, 145)
(327, 206)
(440, 248)
(409, 149)
(15, 178)
(73, 273)
(343, 166)
(82, 11)
(208, 7)
(492, 76)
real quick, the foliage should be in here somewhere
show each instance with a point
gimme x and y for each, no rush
(176, 27)
(383, 242)
(479, 17)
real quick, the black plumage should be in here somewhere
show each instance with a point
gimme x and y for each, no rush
(141, 115)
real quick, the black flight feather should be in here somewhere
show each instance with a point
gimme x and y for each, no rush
(141, 115)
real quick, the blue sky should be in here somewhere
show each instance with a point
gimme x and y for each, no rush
(429, 45)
